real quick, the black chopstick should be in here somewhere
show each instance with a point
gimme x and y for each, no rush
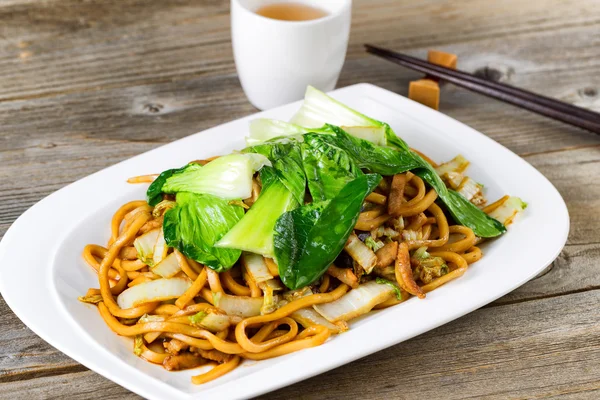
(546, 106)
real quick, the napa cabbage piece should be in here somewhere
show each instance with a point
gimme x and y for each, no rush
(270, 301)
(373, 244)
(356, 302)
(197, 223)
(471, 191)
(241, 306)
(228, 177)
(210, 320)
(308, 239)
(394, 286)
(361, 253)
(156, 290)
(256, 267)
(160, 249)
(167, 267)
(507, 212)
(150, 318)
(458, 164)
(308, 317)
(145, 246)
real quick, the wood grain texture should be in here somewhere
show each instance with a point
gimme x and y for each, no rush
(88, 84)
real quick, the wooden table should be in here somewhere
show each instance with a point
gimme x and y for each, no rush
(84, 85)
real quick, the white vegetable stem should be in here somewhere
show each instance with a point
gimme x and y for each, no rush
(356, 302)
(361, 253)
(168, 267)
(228, 177)
(156, 290)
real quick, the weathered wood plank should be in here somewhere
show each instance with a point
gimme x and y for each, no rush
(574, 173)
(125, 43)
(23, 355)
(76, 386)
(143, 112)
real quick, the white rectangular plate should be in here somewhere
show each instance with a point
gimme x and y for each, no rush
(42, 273)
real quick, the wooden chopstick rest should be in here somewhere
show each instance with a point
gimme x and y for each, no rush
(427, 90)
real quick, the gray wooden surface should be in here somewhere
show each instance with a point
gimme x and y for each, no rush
(85, 84)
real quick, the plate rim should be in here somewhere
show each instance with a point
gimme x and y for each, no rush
(361, 89)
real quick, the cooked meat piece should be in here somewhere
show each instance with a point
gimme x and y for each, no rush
(213, 355)
(386, 255)
(404, 274)
(345, 275)
(183, 361)
(396, 197)
(175, 346)
(152, 224)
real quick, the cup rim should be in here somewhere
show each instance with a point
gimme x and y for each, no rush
(347, 4)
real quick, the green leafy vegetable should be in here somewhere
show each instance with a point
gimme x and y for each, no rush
(507, 212)
(264, 129)
(155, 190)
(254, 232)
(309, 238)
(421, 253)
(284, 186)
(397, 291)
(197, 223)
(138, 343)
(197, 318)
(286, 159)
(328, 168)
(319, 109)
(373, 244)
(466, 213)
(228, 177)
(91, 299)
(377, 159)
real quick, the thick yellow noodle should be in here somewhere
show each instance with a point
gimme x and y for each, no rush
(274, 333)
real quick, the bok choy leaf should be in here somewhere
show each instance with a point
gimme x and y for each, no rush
(328, 168)
(286, 159)
(319, 109)
(228, 177)
(155, 190)
(254, 232)
(462, 210)
(197, 223)
(309, 238)
(378, 159)
(283, 190)
(264, 129)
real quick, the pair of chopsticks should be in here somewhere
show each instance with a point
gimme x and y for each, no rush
(542, 105)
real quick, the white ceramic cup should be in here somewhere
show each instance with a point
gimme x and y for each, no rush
(277, 59)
